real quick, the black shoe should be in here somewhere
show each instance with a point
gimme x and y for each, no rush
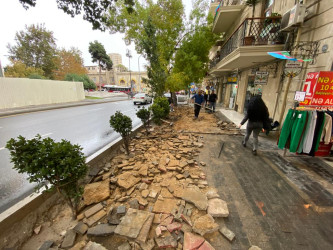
(254, 152)
(244, 144)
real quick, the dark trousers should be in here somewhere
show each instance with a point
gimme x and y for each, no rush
(196, 110)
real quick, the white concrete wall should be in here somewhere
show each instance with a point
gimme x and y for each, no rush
(21, 92)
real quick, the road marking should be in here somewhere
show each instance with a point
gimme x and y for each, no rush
(95, 109)
(2, 148)
(46, 134)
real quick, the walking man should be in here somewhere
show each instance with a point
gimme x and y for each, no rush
(198, 100)
(212, 101)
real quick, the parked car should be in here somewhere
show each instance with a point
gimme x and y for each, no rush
(142, 98)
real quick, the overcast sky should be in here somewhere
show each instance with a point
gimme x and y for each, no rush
(68, 31)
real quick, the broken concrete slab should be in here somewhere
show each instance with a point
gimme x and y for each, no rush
(217, 208)
(206, 246)
(192, 241)
(94, 246)
(227, 233)
(121, 210)
(174, 226)
(125, 246)
(134, 204)
(81, 228)
(101, 230)
(91, 211)
(143, 235)
(149, 245)
(127, 180)
(46, 245)
(145, 193)
(205, 224)
(195, 196)
(254, 248)
(166, 242)
(69, 239)
(132, 223)
(165, 206)
(96, 192)
(95, 218)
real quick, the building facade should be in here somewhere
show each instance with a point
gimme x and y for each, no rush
(240, 66)
(116, 59)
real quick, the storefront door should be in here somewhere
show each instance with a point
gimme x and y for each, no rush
(252, 90)
(233, 93)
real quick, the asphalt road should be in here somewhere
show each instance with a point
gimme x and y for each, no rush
(87, 126)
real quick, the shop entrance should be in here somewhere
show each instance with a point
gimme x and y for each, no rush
(233, 93)
(252, 90)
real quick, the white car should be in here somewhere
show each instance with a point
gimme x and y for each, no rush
(142, 98)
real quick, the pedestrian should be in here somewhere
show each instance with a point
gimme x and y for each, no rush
(198, 99)
(170, 102)
(212, 101)
(256, 115)
(206, 94)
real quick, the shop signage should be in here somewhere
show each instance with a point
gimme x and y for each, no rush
(323, 91)
(232, 80)
(292, 68)
(299, 96)
(261, 77)
(310, 83)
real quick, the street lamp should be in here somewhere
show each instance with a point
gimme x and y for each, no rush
(139, 72)
(129, 55)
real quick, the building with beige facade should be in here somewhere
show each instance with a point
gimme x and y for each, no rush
(240, 66)
(116, 59)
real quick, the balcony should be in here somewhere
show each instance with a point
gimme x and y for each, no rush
(227, 14)
(249, 44)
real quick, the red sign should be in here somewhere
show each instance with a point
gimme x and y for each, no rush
(310, 83)
(323, 93)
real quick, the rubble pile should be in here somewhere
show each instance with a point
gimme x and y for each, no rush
(155, 197)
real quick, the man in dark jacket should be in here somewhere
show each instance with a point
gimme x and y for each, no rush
(212, 101)
(198, 100)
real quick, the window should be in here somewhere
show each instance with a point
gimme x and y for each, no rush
(94, 79)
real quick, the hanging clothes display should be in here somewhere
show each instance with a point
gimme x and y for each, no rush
(303, 130)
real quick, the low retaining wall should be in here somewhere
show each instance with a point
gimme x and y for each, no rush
(22, 92)
(27, 211)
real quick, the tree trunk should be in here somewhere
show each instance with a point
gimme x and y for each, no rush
(174, 98)
(100, 72)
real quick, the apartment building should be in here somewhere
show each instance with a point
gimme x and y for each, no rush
(240, 66)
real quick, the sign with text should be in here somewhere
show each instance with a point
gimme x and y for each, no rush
(323, 91)
(310, 83)
(261, 77)
(292, 68)
(299, 96)
(232, 80)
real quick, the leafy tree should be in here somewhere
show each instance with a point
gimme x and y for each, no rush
(160, 109)
(45, 161)
(94, 10)
(122, 124)
(144, 115)
(35, 76)
(20, 70)
(98, 54)
(69, 61)
(35, 47)
(87, 82)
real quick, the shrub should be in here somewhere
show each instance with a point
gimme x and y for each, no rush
(87, 82)
(60, 164)
(144, 115)
(160, 109)
(35, 76)
(123, 125)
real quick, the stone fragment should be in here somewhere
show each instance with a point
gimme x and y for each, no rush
(80, 216)
(217, 208)
(165, 206)
(192, 241)
(96, 192)
(186, 219)
(145, 193)
(69, 239)
(94, 246)
(180, 176)
(46, 245)
(95, 218)
(166, 242)
(186, 228)
(173, 163)
(143, 186)
(165, 193)
(227, 233)
(202, 163)
(254, 248)
(174, 226)
(127, 180)
(113, 180)
(142, 201)
(125, 246)
(134, 204)
(81, 228)
(130, 191)
(205, 224)
(162, 168)
(132, 223)
(121, 210)
(153, 193)
(166, 220)
(206, 246)
(186, 174)
(79, 245)
(149, 245)
(106, 176)
(37, 229)
(143, 235)
(195, 196)
(91, 211)
(101, 230)
(143, 170)
(158, 231)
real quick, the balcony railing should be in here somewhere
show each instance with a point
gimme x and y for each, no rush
(223, 3)
(252, 32)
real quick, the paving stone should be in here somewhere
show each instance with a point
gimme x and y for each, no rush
(192, 241)
(121, 210)
(145, 193)
(81, 228)
(95, 218)
(101, 230)
(134, 204)
(205, 224)
(206, 246)
(186, 228)
(46, 245)
(165, 193)
(195, 196)
(93, 210)
(69, 239)
(165, 206)
(125, 246)
(96, 192)
(132, 223)
(127, 180)
(227, 233)
(143, 235)
(174, 226)
(153, 193)
(168, 219)
(217, 208)
(149, 245)
(166, 242)
(94, 246)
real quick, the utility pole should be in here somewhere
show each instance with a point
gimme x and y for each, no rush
(129, 55)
